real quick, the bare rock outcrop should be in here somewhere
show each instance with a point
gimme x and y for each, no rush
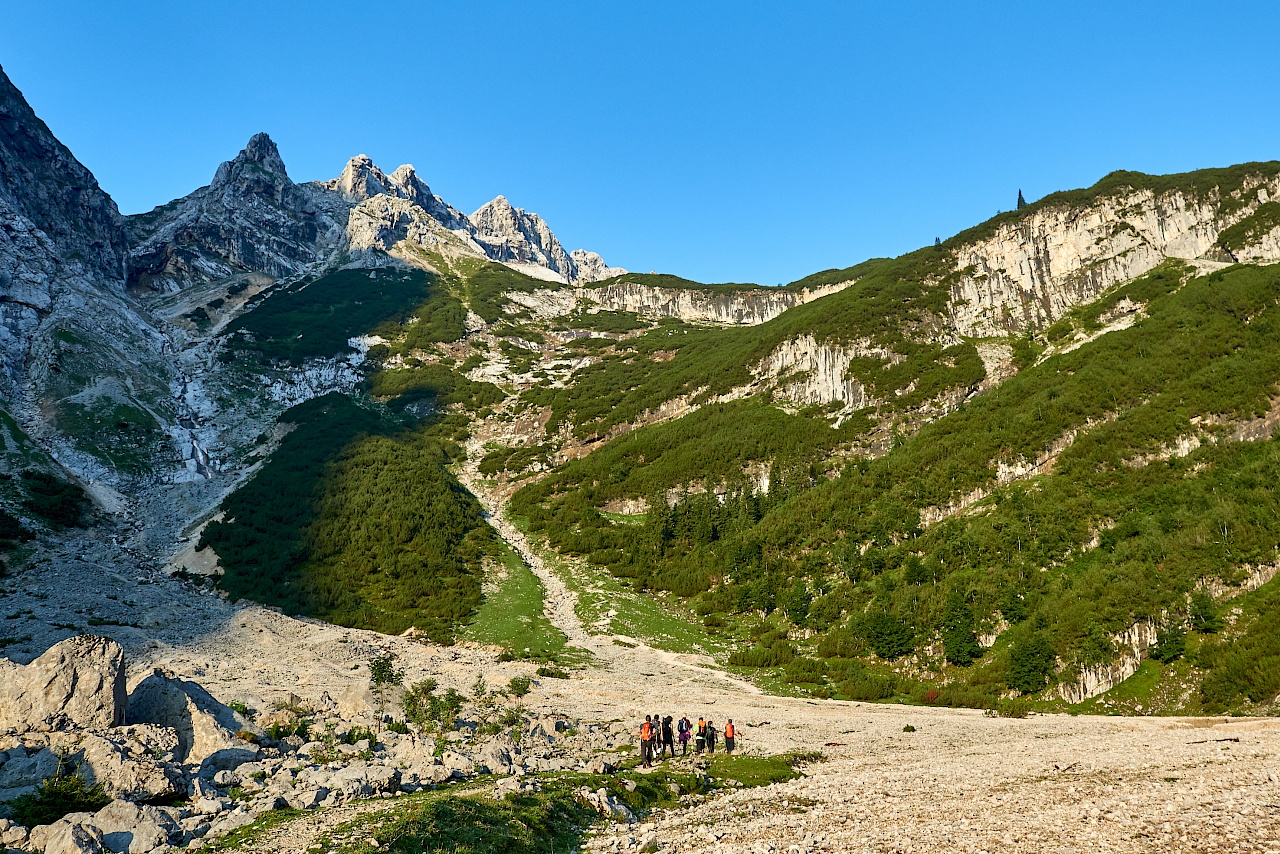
(79, 682)
(1030, 271)
(134, 762)
(250, 218)
(206, 729)
(746, 307)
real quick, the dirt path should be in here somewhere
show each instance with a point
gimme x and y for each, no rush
(632, 658)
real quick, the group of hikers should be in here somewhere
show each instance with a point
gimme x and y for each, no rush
(658, 737)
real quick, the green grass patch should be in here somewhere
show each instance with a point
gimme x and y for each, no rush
(513, 617)
(752, 770)
(242, 837)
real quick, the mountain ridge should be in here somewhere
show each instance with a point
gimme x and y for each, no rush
(881, 481)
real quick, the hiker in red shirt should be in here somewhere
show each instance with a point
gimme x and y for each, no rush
(729, 733)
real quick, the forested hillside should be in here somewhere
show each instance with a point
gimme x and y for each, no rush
(859, 497)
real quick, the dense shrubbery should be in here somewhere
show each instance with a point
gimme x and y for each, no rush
(56, 797)
(315, 318)
(1207, 352)
(356, 520)
(59, 502)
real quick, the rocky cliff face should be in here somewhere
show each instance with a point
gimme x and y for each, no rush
(512, 234)
(736, 308)
(1031, 271)
(62, 241)
(251, 218)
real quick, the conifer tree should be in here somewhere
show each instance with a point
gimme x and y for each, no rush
(1022, 203)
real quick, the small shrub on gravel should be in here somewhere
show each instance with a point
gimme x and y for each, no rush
(519, 685)
(57, 796)
(550, 672)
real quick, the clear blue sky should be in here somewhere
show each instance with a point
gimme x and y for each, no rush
(721, 141)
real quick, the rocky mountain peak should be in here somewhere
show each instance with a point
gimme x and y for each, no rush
(411, 187)
(514, 235)
(361, 179)
(44, 187)
(257, 170)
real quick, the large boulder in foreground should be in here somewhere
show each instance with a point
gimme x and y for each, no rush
(78, 682)
(206, 729)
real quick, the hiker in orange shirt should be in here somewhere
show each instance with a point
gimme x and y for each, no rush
(700, 735)
(729, 733)
(646, 741)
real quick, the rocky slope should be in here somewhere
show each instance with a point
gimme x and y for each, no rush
(1033, 268)
(250, 218)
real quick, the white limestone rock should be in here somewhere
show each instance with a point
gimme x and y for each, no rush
(78, 682)
(206, 729)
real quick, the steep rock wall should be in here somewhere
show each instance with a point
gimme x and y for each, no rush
(1031, 272)
(734, 308)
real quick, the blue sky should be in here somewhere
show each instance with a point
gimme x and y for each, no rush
(720, 141)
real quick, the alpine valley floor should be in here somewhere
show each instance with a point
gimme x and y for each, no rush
(958, 781)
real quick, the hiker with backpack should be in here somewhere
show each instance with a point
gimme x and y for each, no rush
(668, 737)
(730, 731)
(711, 737)
(700, 742)
(686, 729)
(646, 742)
(656, 738)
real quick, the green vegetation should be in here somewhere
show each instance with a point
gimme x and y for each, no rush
(518, 824)
(753, 771)
(485, 288)
(314, 318)
(615, 322)
(60, 503)
(885, 306)
(1248, 230)
(356, 520)
(434, 383)
(666, 280)
(124, 436)
(851, 558)
(550, 819)
(513, 617)
(259, 827)
(57, 796)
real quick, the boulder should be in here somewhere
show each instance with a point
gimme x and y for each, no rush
(134, 762)
(206, 729)
(67, 837)
(306, 799)
(77, 682)
(356, 700)
(12, 835)
(127, 827)
(19, 773)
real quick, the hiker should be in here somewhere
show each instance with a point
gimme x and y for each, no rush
(686, 729)
(729, 732)
(656, 738)
(646, 742)
(668, 737)
(700, 742)
(711, 736)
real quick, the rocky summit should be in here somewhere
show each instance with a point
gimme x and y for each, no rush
(335, 519)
